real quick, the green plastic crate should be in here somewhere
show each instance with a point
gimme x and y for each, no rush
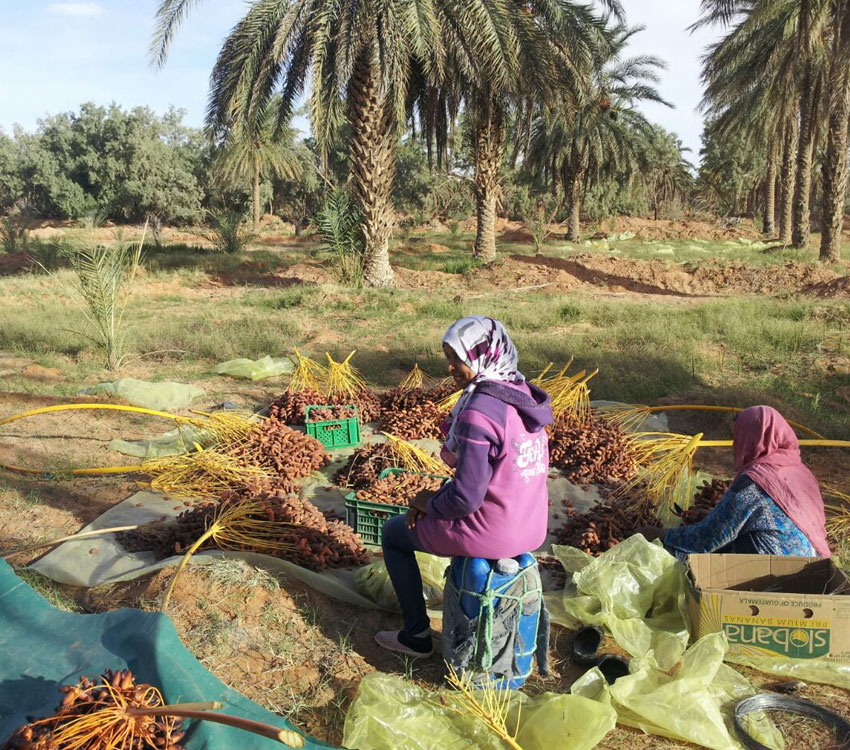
(368, 518)
(334, 433)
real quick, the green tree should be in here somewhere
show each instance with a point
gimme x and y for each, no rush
(603, 137)
(362, 57)
(298, 199)
(665, 171)
(255, 151)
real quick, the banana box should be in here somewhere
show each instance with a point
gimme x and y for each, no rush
(770, 605)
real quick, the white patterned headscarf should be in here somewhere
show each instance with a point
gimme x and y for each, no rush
(484, 346)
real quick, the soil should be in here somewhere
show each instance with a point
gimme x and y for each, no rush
(668, 229)
(838, 287)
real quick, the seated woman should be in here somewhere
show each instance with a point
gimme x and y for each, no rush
(497, 504)
(774, 505)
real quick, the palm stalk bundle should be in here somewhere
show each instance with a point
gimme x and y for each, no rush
(344, 380)
(308, 374)
(239, 525)
(487, 703)
(631, 417)
(665, 470)
(415, 379)
(116, 713)
(838, 520)
(570, 394)
(413, 458)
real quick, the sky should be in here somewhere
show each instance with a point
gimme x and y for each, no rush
(56, 55)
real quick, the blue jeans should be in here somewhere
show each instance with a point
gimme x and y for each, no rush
(399, 545)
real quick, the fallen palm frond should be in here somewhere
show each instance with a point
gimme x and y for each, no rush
(71, 538)
(488, 703)
(838, 520)
(308, 374)
(631, 417)
(666, 467)
(343, 379)
(243, 524)
(413, 458)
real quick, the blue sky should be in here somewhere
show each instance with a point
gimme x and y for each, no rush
(56, 55)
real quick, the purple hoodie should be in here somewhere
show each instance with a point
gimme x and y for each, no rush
(497, 505)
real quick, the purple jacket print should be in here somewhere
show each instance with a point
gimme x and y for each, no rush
(497, 504)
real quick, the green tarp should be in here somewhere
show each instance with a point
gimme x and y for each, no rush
(42, 648)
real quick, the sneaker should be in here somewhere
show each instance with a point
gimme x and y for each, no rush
(398, 641)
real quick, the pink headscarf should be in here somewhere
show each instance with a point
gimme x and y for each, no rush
(767, 451)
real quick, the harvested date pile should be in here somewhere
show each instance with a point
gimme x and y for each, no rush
(331, 413)
(590, 452)
(364, 466)
(76, 723)
(604, 525)
(399, 489)
(282, 451)
(413, 413)
(312, 541)
(291, 406)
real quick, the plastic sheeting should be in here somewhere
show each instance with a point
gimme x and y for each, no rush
(373, 581)
(694, 703)
(255, 369)
(42, 648)
(390, 713)
(171, 443)
(167, 396)
(636, 590)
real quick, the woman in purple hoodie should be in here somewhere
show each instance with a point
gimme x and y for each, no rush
(497, 504)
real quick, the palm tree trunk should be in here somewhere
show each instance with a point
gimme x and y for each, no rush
(372, 170)
(770, 194)
(801, 230)
(489, 147)
(787, 179)
(573, 190)
(835, 161)
(255, 194)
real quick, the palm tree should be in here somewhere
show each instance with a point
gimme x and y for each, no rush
(603, 136)
(359, 58)
(258, 152)
(666, 173)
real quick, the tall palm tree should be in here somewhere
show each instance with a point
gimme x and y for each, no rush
(359, 58)
(257, 152)
(605, 134)
(665, 171)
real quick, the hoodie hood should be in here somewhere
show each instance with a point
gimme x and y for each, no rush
(531, 402)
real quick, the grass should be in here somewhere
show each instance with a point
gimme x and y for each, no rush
(54, 592)
(794, 349)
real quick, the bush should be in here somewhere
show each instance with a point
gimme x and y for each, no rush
(14, 233)
(339, 223)
(228, 231)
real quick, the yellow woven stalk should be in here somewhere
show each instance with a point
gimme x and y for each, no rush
(489, 704)
(415, 379)
(448, 403)
(413, 458)
(200, 474)
(666, 466)
(632, 416)
(307, 374)
(343, 379)
(236, 527)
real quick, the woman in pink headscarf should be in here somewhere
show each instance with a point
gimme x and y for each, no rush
(774, 505)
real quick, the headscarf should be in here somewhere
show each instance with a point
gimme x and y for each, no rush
(484, 346)
(767, 450)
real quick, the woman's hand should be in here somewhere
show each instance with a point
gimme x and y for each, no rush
(651, 533)
(412, 517)
(420, 501)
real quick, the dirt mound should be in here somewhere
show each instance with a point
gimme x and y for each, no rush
(519, 271)
(838, 287)
(12, 263)
(519, 235)
(668, 229)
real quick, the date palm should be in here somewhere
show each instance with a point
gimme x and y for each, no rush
(358, 58)
(256, 152)
(606, 134)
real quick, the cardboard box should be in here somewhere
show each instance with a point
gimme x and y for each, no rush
(792, 607)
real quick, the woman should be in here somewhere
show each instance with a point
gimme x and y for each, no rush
(497, 503)
(774, 505)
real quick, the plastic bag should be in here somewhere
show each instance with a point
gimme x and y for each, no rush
(813, 670)
(390, 713)
(159, 396)
(260, 369)
(373, 581)
(171, 443)
(636, 590)
(693, 704)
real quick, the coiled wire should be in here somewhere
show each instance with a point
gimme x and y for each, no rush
(772, 702)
